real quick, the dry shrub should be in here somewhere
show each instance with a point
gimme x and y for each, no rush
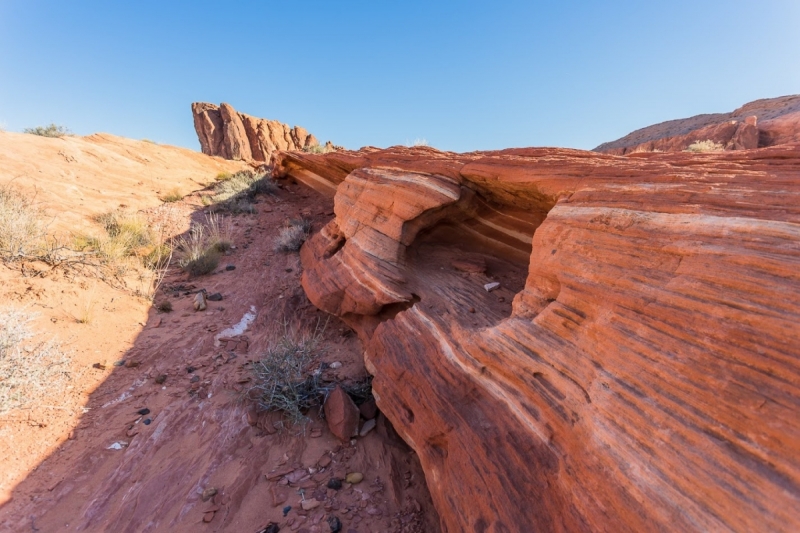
(705, 146)
(31, 374)
(285, 379)
(200, 250)
(51, 130)
(292, 237)
(21, 224)
(173, 195)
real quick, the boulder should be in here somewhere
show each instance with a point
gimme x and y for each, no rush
(341, 414)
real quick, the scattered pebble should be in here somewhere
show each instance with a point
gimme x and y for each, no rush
(208, 493)
(368, 426)
(131, 364)
(195, 379)
(354, 478)
(117, 446)
(335, 524)
(147, 421)
(216, 297)
(121, 362)
(286, 510)
(471, 309)
(161, 379)
(492, 286)
(200, 301)
(208, 517)
(144, 411)
(190, 369)
(334, 483)
(272, 527)
(335, 365)
(307, 505)
(289, 269)
(230, 267)
(99, 366)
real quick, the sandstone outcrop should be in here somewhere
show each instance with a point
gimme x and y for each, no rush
(226, 133)
(758, 124)
(637, 370)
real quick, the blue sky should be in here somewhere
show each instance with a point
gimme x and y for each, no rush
(463, 75)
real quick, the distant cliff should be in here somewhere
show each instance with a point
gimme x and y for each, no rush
(225, 132)
(761, 123)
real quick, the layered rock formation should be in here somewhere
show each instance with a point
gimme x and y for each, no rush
(226, 133)
(637, 370)
(762, 123)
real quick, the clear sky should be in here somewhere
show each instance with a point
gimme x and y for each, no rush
(462, 75)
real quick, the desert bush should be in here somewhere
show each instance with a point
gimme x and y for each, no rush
(283, 377)
(171, 196)
(219, 232)
(223, 176)
(705, 146)
(293, 235)
(50, 130)
(30, 374)
(164, 306)
(236, 193)
(21, 224)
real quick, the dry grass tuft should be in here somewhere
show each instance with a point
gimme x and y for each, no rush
(31, 374)
(200, 250)
(236, 193)
(21, 224)
(171, 196)
(50, 130)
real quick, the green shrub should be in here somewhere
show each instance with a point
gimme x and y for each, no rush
(50, 130)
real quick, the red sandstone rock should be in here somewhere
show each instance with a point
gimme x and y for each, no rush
(341, 414)
(647, 376)
(224, 132)
(757, 124)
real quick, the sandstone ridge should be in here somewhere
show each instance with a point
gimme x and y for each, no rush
(226, 133)
(766, 122)
(636, 370)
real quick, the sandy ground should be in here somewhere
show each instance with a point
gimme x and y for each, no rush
(60, 468)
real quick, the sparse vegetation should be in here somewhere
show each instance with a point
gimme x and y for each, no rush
(284, 378)
(173, 195)
(293, 235)
(236, 193)
(21, 224)
(223, 176)
(51, 130)
(420, 142)
(200, 250)
(30, 374)
(164, 306)
(705, 146)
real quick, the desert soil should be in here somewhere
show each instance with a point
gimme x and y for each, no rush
(90, 462)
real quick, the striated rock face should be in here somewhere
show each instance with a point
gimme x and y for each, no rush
(637, 370)
(766, 122)
(224, 132)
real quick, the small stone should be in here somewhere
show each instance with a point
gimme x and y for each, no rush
(99, 366)
(354, 477)
(279, 495)
(208, 517)
(341, 414)
(195, 379)
(316, 433)
(143, 412)
(121, 362)
(230, 267)
(335, 365)
(471, 309)
(131, 364)
(272, 527)
(147, 421)
(286, 510)
(208, 494)
(289, 269)
(161, 379)
(369, 409)
(368, 426)
(216, 297)
(501, 299)
(324, 461)
(335, 524)
(190, 369)
(492, 286)
(200, 301)
(334, 483)
(307, 505)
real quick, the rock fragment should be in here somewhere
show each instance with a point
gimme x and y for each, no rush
(341, 414)
(492, 286)
(200, 301)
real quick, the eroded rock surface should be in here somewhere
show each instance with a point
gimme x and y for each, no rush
(224, 132)
(637, 370)
(767, 122)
